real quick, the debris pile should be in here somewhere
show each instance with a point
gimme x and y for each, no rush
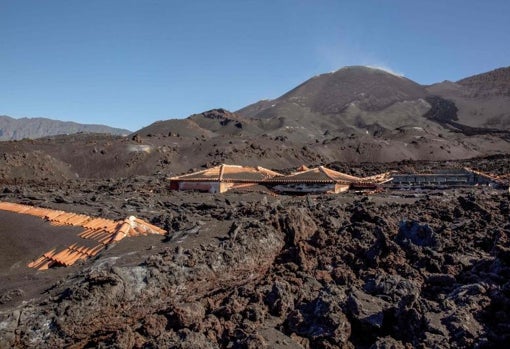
(99, 231)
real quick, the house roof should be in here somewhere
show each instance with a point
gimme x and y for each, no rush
(229, 173)
(319, 174)
(236, 173)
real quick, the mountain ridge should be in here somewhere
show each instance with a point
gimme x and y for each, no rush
(19, 128)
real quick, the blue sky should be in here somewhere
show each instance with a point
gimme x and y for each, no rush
(129, 63)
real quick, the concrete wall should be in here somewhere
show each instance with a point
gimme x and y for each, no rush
(211, 187)
(308, 188)
(438, 180)
(206, 186)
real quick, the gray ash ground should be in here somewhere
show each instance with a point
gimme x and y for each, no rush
(251, 270)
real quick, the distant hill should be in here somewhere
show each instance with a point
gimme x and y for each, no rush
(16, 129)
(361, 99)
(208, 124)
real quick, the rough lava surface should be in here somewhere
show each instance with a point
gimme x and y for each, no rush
(250, 270)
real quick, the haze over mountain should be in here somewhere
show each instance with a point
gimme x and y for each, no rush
(15, 129)
(356, 114)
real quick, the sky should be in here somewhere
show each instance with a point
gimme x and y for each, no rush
(129, 63)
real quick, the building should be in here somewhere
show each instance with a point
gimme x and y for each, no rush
(444, 178)
(222, 178)
(315, 180)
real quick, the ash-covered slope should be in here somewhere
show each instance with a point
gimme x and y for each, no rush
(383, 116)
(482, 100)
(15, 129)
(359, 101)
(367, 100)
(211, 123)
(493, 83)
(371, 89)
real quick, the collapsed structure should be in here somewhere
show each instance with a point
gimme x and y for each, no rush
(318, 180)
(221, 178)
(97, 233)
(315, 180)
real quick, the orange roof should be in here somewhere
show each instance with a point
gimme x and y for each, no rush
(229, 173)
(319, 174)
(302, 168)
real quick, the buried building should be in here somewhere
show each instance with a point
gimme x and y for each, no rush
(221, 178)
(445, 178)
(96, 234)
(315, 180)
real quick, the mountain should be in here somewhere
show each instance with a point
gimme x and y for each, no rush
(354, 115)
(493, 83)
(360, 101)
(15, 129)
(369, 88)
(350, 101)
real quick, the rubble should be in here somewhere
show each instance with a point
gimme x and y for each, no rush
(102, 231)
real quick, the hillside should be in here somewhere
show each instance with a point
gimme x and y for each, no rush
(359, 102)
(15, 129)
(208, 124)
(493, 83)
(371, 89)
(482, 100)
